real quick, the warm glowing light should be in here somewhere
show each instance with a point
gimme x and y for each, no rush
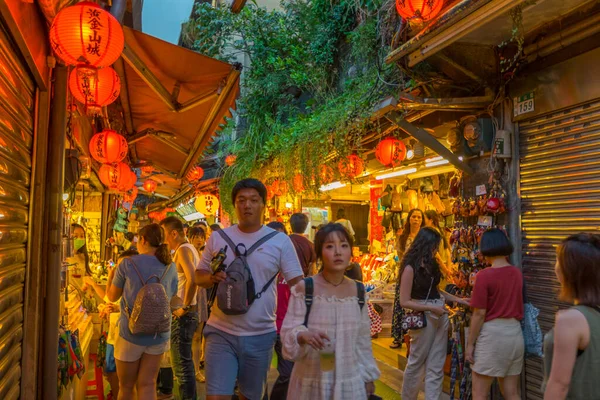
(400, 172)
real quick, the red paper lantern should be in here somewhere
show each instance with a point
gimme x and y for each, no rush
(130, 197)
(147, 170)
(326, 174)
(279, 187)
(230, 159)
(419, 9)
(95, 88)
(298, 183)
(270, 192)
(128, 183)
(149, 186)
(195, 174)
(390, 152)
(86, 34)
(351, 166)
(108, 147)
(115, 175)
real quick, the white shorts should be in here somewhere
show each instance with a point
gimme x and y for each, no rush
(130, 352)
(499, 348)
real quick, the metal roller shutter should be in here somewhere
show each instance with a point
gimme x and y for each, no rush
(560, 187)
(17, 105)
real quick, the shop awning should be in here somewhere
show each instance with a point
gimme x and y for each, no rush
(174, 101)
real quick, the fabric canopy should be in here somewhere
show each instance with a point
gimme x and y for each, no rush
(177, 99)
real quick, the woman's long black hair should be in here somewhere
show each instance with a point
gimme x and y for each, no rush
(421, 253)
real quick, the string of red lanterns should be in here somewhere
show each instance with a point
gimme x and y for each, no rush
(108, 147)
(115, 175)
(351, 166)
(390, 152)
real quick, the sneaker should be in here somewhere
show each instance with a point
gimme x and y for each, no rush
(161, 396)
(200, 377)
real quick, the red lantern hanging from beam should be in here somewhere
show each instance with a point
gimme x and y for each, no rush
(108, 147)
(230, 159)
(419, 9)
(149, 186)
(95, 88)
(86, 34)
(326, 174)
(390, 152)
(195, 174)
(298, 183)
(128, 183)
(351, 166)
(114, 175)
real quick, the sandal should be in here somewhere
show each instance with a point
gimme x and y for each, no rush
(395, 345)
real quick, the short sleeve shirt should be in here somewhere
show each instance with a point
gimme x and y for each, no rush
(127, 279)
(499, 291)
(305, 250)
(275, 256)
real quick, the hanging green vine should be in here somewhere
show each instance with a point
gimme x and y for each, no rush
(315, 73)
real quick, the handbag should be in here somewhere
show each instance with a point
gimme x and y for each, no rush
(412, 319)
(532, 333)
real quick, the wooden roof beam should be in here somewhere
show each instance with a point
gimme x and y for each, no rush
(428, 140)
(203, 135)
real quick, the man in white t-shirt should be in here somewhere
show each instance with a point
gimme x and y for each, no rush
(185, 313)
(239, 348)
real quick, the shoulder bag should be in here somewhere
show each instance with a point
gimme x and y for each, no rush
(412, 319)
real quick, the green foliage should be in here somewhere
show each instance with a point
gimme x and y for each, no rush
(298, 105)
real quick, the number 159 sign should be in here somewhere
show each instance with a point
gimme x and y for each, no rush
(524, 104)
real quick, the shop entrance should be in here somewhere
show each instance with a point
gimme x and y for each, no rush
(17, 109)
(559, 190)
(358, 214)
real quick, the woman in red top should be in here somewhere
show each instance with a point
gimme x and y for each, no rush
(495, 345)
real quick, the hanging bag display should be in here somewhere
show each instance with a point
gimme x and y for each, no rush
(532, 333)
(386, 197)
(412, 320)
(396, 200)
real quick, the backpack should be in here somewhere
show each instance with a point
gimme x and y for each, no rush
(386, 197)
(151, 312)
(236, 294)
(310, 289)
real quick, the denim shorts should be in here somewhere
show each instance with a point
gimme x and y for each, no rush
(245, 359)
(110, 364)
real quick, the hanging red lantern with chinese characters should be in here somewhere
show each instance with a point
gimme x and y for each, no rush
(230, 159)
(108, 147)
(270, 192)
(195, 174)
(390, 152)
(326, 174)
(207, 204)
(351, 166)
(95, 88)
(149, 186)
(114, 175)
(423, 10)
(86, 34)
(298, 183)
(128, 183)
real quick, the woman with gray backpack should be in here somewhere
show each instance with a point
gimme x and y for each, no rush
(145, 284)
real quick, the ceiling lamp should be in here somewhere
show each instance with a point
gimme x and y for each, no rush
(195, 174)
(401, 172)
(108, 147)
(95, 88)
(149, 185)
(86, 34)
(436, 161)
(115, 175)
(332, 186)
(423, 10)
(298, 183)
(351, 166)
(390, 152)
(230, 159)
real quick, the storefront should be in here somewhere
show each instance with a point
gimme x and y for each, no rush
(559, 159)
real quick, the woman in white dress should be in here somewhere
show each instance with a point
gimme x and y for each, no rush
(332, 347)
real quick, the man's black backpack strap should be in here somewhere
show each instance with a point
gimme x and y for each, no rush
(308, 297)
(360, 289)
(228, 240)
(260, 242)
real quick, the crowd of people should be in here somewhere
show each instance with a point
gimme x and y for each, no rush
(285, 294)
